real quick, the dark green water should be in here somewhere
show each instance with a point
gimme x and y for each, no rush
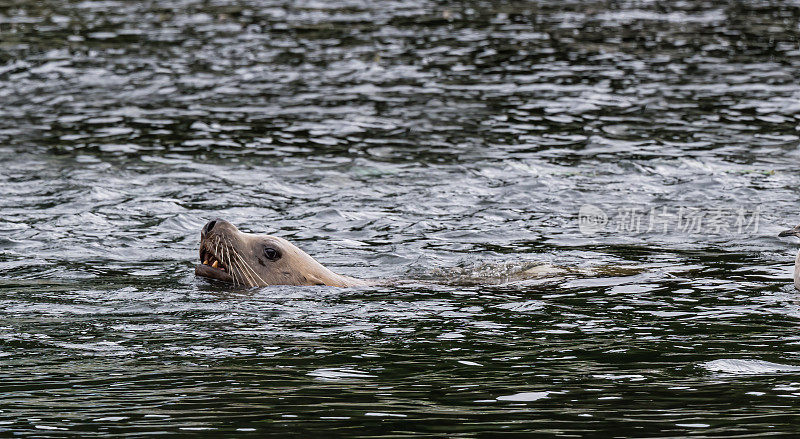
(450, 144)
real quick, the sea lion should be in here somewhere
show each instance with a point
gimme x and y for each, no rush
(794, 232)
(250, 260)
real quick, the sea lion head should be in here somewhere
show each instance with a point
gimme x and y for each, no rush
(251, 260)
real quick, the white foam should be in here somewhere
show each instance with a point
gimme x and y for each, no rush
(339, 373)
(745, 366)
(524, 396)
(385, 415)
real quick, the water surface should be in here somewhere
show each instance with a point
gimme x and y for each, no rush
(453, 146)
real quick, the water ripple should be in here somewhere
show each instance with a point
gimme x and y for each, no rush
(443, 149)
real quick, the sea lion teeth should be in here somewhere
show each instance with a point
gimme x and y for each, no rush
(215, 264)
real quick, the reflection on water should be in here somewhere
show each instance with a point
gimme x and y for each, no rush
(451, 147)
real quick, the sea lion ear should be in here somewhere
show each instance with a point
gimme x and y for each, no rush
(313, 280)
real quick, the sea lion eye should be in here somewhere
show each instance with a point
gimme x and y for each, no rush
(271, 253)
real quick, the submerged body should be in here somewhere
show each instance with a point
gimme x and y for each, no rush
(794, 232)
(251, 260)
(229, 255)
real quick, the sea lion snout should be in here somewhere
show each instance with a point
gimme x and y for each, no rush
(216, 223)
(207, 228)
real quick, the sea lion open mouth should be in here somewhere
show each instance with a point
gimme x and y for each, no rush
(210, 265)
(250, 260)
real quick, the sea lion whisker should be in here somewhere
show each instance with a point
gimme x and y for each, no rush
(234, 271)
(223, 251)
(231, 271)
(221, 248)
(248, 267)
(216, 250)
(248, 280)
